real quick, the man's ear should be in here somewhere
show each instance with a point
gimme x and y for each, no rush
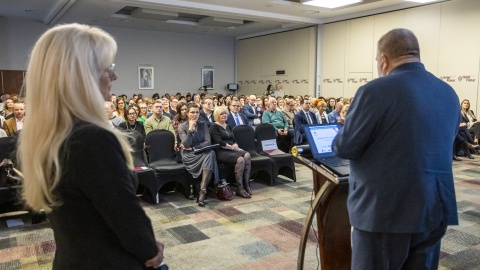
(384, 63)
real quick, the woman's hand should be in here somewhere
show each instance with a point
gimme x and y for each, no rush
(158, 259)
(463, 124)
(192, 124)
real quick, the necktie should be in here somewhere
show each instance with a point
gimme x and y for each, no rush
(237, 120)
(309, 120)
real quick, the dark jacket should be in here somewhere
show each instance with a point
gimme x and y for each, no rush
(100, 223)
(401, 178)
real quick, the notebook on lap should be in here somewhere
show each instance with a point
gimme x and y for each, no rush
(320, 138)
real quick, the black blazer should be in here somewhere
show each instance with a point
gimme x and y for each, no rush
(100, 223)
(209, 120)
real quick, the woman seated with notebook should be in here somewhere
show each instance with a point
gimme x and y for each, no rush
(221, 133)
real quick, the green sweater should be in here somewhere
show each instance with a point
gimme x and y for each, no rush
(276, 119)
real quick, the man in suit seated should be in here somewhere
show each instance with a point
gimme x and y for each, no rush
(250, 110)
(303, 117)
(158, 120)
(15, 124)
(235, 117)
(334, 116)
(206, 113)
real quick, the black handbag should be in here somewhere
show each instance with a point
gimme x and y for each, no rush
(9, 176)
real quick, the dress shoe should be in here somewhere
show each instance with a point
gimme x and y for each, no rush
(242, 193)
(470, 156)
(473, 146)
(456, 158)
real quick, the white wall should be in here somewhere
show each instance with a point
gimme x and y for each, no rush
(293, 51)
(177, 58)
(449, 47)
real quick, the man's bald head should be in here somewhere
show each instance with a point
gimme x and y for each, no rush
(399, 43)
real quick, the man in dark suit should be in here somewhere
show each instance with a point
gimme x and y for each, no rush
(235, 118)
(250, 110)
(401, 194)
(303, 117)
(206, 113)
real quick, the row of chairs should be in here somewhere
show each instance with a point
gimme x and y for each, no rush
(161, 168)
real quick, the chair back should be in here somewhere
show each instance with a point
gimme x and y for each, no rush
(136, 140)
(263, 132)
(7, 148)
(160, 145)
(245, 137)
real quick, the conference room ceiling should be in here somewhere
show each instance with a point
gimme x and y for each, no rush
(234, 18)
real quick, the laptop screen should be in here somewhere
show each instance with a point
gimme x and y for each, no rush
(320, 138)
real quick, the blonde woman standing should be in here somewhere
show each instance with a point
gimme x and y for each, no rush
(76, 168)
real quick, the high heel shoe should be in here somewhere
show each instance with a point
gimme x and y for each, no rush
(201, 197)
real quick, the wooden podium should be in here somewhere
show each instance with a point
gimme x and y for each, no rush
(330, 207)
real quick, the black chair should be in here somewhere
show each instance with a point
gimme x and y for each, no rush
(146, 176)
(9, 196)
(283, 164)
(262, 167)
(159, 144)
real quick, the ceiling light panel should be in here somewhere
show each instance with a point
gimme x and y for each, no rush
(330, 3)
(152, 14)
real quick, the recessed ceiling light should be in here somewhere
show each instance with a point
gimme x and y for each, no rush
(310, 11)
(33, 10)
(421, 1)
(330, 3)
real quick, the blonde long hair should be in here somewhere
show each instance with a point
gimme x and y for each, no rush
(62, 87)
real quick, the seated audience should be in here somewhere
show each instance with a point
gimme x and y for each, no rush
(321, 113)
(289, 112)
(173, 104)
(330, 104)
(469, 119)
(158, 120)
(343, 113)
(235, 117)
(15, 124)
(132, 123)
(334, 116)
(195, 135)
(142, 116)
(206, 113)
(302, 118)
(181, 116)
(279, 122)
(281, 104)
(250, 111)
(167, 111)
(112, 118)
(221, 133)
(7, 111)
(120, 110)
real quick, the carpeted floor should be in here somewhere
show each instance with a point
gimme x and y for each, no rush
(258, 233)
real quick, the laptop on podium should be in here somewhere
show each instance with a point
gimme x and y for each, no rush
(320, 139)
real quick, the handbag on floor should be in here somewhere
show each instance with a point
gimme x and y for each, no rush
(224, 193)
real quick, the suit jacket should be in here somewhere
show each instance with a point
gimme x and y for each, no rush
(401, 178)
(299, 121)
(250, 112)
(10, 126)
(203, 117)
(100, 223)
(231, 120)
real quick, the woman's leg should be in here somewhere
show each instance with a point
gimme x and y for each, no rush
(246, 173)
(206, 176)
(239, 169)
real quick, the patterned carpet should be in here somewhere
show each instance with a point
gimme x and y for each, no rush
(258, 233)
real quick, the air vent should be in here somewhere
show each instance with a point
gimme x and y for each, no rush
(152, 14)
(220, 22)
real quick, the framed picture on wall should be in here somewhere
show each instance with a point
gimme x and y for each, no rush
(145, 77)
(208, 75)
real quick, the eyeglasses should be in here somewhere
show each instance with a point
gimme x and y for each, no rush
(158, 107)
(235, 106)
(132, 113)
(110, 70)
(195, 112)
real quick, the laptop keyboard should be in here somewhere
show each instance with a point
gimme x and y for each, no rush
(336, 161)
